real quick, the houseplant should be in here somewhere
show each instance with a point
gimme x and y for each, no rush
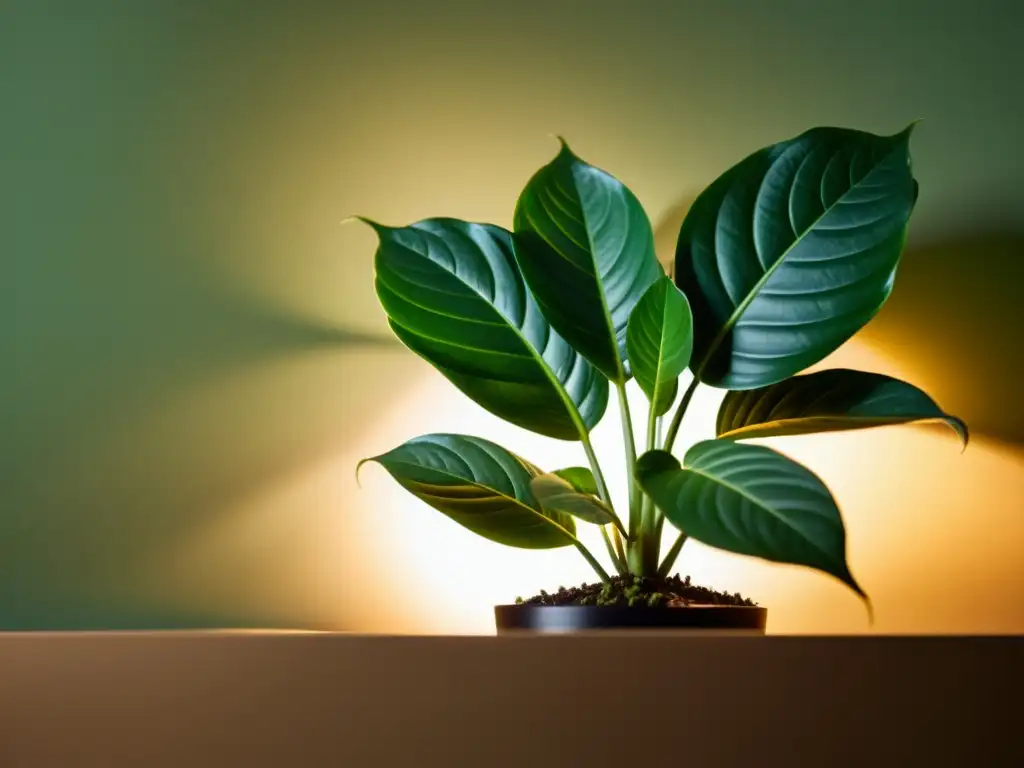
(779, 261)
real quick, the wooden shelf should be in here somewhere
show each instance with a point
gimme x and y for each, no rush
(252, 699)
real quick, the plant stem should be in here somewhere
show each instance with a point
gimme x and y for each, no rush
(653, 424)
(653, 439)
(671, 555)
(614, 552)
(595, 467)
(592, 560)
(628, 439)
(648, 535)
(677, 419)
(619, 548)
(670, 438)
(602, 487)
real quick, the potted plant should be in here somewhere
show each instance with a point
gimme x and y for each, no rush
(779, 261)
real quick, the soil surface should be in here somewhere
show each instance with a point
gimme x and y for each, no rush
(636, 591)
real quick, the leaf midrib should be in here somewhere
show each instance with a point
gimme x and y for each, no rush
(481, 486)
(753, 293)
(621, 371)
(775, 423)
(591, 253)
(566, 490)
(661, 347)
(761, 504)
(563, 395)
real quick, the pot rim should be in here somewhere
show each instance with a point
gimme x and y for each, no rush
(545, 619)
(697, 606)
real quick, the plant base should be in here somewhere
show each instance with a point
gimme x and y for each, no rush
(633, 602)
(637, 591)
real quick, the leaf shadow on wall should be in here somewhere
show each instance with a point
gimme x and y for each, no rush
(133, 436)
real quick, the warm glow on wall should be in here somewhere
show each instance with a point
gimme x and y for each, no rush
(905, 494)
(187, 404)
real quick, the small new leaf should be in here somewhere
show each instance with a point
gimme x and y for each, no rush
(581, 478)
(558, 496)
(659, 340)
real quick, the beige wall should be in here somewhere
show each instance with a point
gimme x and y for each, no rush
(185, 405)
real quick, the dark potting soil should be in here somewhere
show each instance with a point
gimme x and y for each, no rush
(637, 591)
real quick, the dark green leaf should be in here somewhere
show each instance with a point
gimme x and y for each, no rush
(454, 295)
(581, 478)
(659, 339)
(792, 251)
(586, 249)
(751, 500)
(479, 485)
(557, 495)
(828, 401)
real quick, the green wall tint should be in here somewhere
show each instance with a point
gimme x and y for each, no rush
(174, 174)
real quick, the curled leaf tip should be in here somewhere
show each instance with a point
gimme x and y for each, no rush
(856, 587)
(360, 466)
(564, 145)
(910, 127)
(870, 609)
(377, 227)
(960, 427)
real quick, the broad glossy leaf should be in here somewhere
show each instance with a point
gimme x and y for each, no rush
(586, 249)
(581, 478)
(789, 253)
(751, 500)
(454, 295)
(828, 401)
(659, 339)
(557, 495)
(479, 485)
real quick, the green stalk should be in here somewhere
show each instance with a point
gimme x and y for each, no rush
(658, 516)
(595, 467)
(660, 523)
(652, 443)
(583, 551)
(619, 548)
(671, 555)
(627, 437)
(670, 438)
(592, 560)
(614, 552)
(677, 419)
(649, 535)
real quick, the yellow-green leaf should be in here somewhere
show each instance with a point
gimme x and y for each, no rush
(558, 496)
(828, 401)
(479, 485)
